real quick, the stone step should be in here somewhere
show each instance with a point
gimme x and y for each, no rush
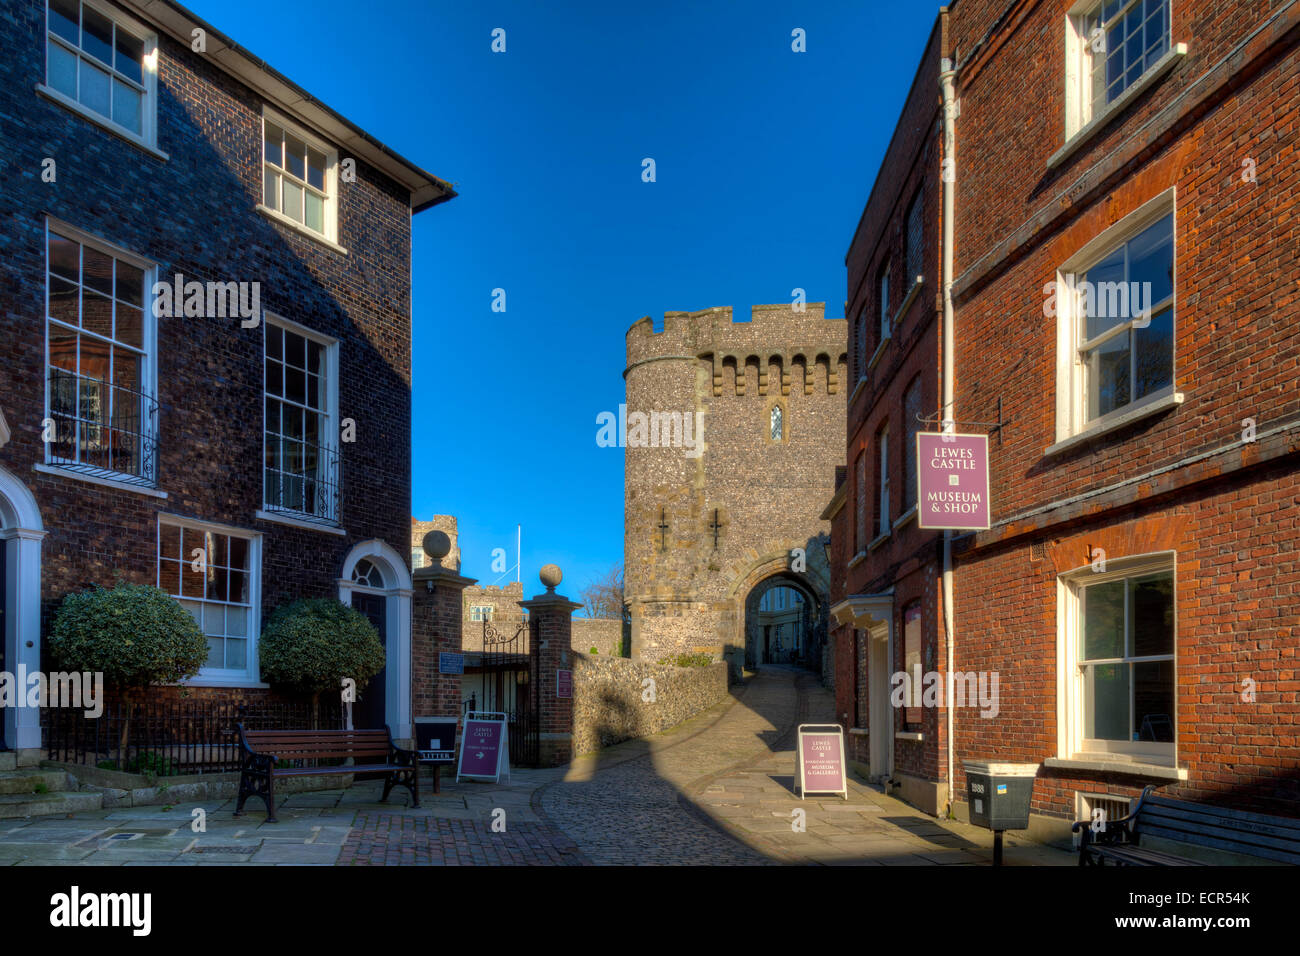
(27, 781)
(8, 760)
(13, 805)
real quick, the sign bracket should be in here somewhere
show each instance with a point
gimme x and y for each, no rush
(997, 426)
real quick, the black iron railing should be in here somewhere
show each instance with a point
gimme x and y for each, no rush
(303, 479)
(171, 738)
(102, 428)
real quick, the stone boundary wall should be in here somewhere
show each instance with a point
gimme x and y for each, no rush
(602, 633)
(608, 705)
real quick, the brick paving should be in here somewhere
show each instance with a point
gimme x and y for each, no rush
(388, 839)
(714, 790)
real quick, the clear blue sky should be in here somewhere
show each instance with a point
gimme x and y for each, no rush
(765, 158)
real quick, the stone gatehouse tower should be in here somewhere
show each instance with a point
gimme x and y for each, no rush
(730, 476)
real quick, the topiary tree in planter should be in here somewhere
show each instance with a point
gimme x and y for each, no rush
(313, 645)
(135, 635)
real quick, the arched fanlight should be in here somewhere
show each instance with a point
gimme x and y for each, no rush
(368, 574)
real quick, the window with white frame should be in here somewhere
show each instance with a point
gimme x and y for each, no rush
(882, 477)
(1112, 45)
(298, 176)
(480, 612)
(1120, 654)
(884, 301)
(213, 572)
(861, 503)
(911, 425)
(860, 342)
(1116, 303)
(417, 557)
(103, 61)
(99, 368)
(915, 239)
(302, 468)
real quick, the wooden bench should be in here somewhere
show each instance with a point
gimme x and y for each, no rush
(372, 752)
(1252, 834)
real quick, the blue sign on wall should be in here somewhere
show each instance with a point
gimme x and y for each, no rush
(451, 663)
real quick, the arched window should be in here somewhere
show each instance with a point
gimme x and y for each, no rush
(778, 424)
(366, 573)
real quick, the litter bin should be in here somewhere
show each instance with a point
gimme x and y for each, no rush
(998, 795)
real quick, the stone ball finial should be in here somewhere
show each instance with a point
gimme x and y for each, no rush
(437, 545)
(551, 575)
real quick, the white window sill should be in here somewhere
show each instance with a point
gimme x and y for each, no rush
(880, 539)
(293, 224)
(858, 559)
(1098, 763)
(103, 122)
(880, 350)
(97, 480)
(202, 681)
(1125, 417)
(862, 383)
(905, 517)
(909, 735)
(1102, 119)
(907, 301)
(279, 517)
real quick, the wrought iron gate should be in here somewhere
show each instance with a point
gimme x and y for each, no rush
(509, 686)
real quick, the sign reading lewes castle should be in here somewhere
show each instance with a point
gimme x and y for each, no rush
(953, 474)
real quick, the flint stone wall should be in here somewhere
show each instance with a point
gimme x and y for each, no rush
(608, 705)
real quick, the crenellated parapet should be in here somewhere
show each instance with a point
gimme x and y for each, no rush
(802, 349)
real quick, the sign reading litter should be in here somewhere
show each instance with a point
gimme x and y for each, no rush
(435, 739)
(819, 760)
(953, 481)
(485, 747)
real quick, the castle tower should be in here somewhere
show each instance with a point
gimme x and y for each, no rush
(733, 433)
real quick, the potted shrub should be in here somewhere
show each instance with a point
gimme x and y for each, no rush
(313, 645)
(135, 635)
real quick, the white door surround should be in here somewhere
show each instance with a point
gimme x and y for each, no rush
(397, 616)
(21, 532)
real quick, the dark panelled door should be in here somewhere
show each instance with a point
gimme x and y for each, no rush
(4, 611)
(368, 712)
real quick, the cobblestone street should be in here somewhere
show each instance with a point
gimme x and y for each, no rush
(715, 790)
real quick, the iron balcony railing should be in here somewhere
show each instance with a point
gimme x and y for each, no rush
(102, 428)
(303, 479)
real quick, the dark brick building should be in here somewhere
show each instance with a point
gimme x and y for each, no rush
(1124, 291)
(249, 442)
(884, 588)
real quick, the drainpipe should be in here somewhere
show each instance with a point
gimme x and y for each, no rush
(947, 78)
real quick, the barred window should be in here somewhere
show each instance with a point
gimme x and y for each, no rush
(915, 240)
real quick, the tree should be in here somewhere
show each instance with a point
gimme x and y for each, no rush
(314, 645)
(135, 635)
(603, 595)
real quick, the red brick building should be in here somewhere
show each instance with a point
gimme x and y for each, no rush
(262, 423)
(1124, 292)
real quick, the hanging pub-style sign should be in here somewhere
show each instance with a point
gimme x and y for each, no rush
(952, 474)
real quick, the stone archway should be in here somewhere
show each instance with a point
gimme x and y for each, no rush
(747, 583)
(787, 635)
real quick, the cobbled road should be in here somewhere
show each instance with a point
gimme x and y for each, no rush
(640, 810)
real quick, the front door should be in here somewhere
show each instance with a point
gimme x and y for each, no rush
(368, 712)
(880, 728)
(4, 613)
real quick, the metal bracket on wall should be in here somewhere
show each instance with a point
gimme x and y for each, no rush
(937, 419)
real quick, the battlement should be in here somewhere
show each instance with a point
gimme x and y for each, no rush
(804, 344)
(768, 330)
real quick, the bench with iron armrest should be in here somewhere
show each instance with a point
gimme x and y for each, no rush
(372, 752)
(1182, 821)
